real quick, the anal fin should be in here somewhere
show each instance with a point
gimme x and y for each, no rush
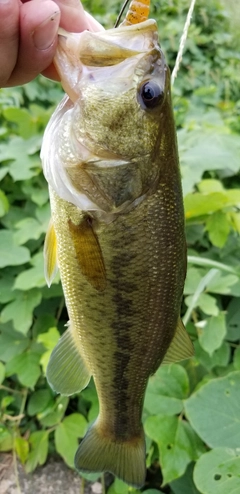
(181, 347)
(66, 371)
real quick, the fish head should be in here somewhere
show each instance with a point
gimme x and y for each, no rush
(115, 120)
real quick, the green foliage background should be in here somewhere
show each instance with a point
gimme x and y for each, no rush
(192, 409)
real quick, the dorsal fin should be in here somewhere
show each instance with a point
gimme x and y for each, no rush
(88, 252)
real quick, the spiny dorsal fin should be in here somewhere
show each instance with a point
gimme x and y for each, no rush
(181, 346)
(50, 254)
(66, 371)
(88, 252)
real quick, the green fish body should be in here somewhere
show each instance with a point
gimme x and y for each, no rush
(117, 234)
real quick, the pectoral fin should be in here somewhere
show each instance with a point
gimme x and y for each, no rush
(50, 254)
(66, 371)
(181, 346)
(88, 252)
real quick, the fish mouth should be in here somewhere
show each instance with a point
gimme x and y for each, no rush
(78, 51)
(97, 152)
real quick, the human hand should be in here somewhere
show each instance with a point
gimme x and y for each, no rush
(28, 36)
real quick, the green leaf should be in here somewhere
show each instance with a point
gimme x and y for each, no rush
(210, 263)
(38, 401)
(178, 444)
(38, 194)
(166, 390)
(4, 204)
(67, 433)
(219, 357)
(185, 485)
(212, 334)
(54, 414)
(10, 253)
(6, 288)
(20, 311)
(213, 411)
(28, 228)
(210, 185)
(193, 278)
(49, 340)
(233, 320)
(26, 366)
(22, 165)
(222, 283)
(208, 304)
(217, 472)
(198, 204)
(11, 343)
(21, 447)
(38, 450)
(218, 228)
(192, 301)
(152, 491)
(2, 372)
(236, 360)
(90, 395)
(26, 125)
(118, 487)
(33, 277)
(6, 439)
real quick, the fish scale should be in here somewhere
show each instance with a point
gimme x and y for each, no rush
(116, 234)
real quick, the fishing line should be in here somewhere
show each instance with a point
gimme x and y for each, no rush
(183, 42)
(121, 13)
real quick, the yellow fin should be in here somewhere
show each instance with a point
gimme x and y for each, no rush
(181, 346)
(50, 254)
(100, 453)
(66, 371)
(88, 253)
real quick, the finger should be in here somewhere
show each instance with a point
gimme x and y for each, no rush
(73, 19)
(9, 15)
(39, 21)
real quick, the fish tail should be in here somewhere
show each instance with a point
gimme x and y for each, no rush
(100, 453)
(138, 12)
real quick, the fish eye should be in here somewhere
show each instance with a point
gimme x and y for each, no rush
(150, 94)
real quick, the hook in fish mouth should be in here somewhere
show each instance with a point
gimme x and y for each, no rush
(121, 13)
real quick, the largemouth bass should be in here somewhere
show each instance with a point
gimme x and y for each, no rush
(117, 232)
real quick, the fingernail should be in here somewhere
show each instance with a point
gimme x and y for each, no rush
(45, 33)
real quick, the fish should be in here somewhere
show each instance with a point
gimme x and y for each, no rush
(116, 233)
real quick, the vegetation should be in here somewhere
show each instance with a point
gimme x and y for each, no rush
(192, 409)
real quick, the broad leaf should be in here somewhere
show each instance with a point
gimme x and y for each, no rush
(67, 433)
(178, 444)
(213, 411)
(10, 253)
(213, 333)
(20, 310)
(27, 368)
(38, 450)
(217, 472)
(166, 390)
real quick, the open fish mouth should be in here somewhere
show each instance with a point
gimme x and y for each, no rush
(100, 69)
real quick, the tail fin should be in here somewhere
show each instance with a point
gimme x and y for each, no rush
(125, 459)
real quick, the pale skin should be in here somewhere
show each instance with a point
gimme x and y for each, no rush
(28, 36)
